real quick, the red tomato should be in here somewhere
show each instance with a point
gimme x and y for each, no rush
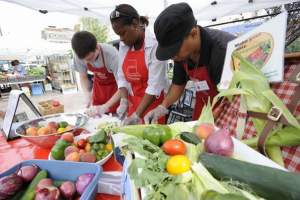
(81, 151)
(81, 143)
(55, 103)
(174, 147)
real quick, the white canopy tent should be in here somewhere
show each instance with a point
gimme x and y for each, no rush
(14, 47)
(100, 9)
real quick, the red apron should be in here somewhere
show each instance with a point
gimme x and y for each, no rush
(200, 74)
(105, 85)
(136, 73)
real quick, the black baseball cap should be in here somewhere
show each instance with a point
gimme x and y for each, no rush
(171, 27)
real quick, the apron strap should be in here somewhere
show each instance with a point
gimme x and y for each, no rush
(102, 55)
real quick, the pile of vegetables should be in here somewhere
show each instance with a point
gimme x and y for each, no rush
(36, 71)
(199, 163)
(30, 183)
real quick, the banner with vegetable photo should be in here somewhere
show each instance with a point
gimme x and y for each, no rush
(263, 47)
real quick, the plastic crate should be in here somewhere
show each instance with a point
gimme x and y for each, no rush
(66, 170)
(36, 88)
(48, 87)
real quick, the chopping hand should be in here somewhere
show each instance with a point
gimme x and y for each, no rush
(153, 115)
(122, 110)
(132, 120)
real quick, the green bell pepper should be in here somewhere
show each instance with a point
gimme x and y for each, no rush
(100, 137)
(58, 150)
(157, 135)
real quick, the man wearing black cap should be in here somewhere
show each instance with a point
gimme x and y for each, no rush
(198, 54)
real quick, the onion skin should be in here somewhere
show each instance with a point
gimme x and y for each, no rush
(10, 184)
(67, 190)
(83, 182)
(47, 193)
(27, 173)
(220, 142)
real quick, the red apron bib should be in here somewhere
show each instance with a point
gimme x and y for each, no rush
(136, 73)
(105, 85)
(200, 74)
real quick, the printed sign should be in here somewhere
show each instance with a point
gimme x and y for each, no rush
(263, 47)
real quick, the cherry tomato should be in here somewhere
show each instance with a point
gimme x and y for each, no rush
(81, 143)
(174, 147)
(55, 103)
(81, 151)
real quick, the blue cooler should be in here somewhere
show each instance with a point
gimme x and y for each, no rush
(36, 88)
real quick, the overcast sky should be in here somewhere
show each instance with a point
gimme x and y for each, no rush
(24, 22)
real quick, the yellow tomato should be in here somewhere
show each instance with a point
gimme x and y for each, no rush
(61, 130)
(108, 146)
(178, 164)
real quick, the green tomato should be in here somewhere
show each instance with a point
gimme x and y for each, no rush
(96, 147)
(102, 146)
(94, 152)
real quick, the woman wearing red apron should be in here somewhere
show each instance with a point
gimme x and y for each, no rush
(102, 60)
(142, 78)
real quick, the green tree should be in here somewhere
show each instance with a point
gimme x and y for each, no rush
(93, 25)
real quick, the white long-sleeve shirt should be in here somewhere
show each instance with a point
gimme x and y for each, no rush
(157, 70)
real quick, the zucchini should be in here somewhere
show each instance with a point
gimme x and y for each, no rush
(30, 191)
(266, 182)
(190, 138)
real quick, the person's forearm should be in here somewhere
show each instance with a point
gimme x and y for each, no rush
(173, 95)
(84, 82)
(146, 102)
(124, 92)
(114, 99)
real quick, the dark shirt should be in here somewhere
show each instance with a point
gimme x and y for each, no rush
(212, 56)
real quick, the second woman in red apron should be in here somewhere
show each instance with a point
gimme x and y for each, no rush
(142, 78)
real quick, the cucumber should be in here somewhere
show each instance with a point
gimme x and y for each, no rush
(30, 191)
(189, 138)
(266, 182)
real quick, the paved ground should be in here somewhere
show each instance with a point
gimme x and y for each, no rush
(71, 102)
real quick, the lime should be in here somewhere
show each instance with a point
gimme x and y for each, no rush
(63, 124)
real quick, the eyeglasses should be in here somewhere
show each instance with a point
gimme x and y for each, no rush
(116, 14)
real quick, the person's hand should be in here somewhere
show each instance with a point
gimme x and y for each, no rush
(153, 115)
(122, 110)
(132, 120)
(93, 110)
(87, 99)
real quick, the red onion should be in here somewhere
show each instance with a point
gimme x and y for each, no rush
(83, 181)
(67, 190)
(47, 193)
(10, 184)
(27, 173)
(43, 183)
(219, 142)
(97, 116)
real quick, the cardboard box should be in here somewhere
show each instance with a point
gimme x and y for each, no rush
(69, 88)
(46, 108)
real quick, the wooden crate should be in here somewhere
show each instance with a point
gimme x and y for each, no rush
(46, 108)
